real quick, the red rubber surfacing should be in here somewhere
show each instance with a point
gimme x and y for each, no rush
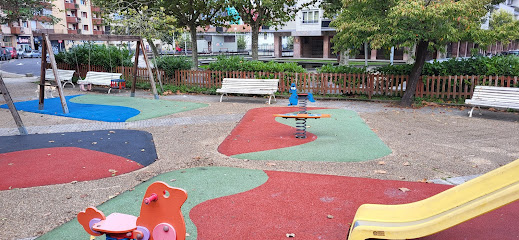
(301, 203)
(46, 166)
(259, 131)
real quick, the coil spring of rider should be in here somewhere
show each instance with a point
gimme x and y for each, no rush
(300, 128)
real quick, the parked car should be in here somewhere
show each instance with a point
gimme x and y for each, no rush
(34, 54)
(4, 54)
(13, 52)
(513, 52)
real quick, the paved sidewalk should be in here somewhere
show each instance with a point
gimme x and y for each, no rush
(124, 125)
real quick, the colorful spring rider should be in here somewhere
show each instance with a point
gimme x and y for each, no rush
(303, 114)
(160, 217)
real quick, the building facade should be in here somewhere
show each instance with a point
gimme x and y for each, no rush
(75, 17)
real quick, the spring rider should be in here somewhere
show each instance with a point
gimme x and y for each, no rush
(160, 217)
(303, 114)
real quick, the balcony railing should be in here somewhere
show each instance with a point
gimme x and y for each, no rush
(98, 32)
(71, 6)
(97, 21)
(72, 31)
(40, 31)
(95, 9)
(16, 30)
(72, 20)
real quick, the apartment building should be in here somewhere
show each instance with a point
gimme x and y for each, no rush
(76, 17)
(312, 35)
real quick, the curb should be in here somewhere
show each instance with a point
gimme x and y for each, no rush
(11, 75)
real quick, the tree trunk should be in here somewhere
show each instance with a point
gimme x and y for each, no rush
(194, 47)
(414, 76)
(153, 47)
(254, 44)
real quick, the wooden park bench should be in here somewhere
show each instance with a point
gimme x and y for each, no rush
(100, 78)
(500, 97)
(64, 75)
(249, 86)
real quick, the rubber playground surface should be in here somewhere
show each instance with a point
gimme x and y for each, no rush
(234, 203)
(46, 159)
(344, 137)
(108, 108)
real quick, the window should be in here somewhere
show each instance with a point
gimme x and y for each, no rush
(265, 36)
(229, 39)
(82, 2)
(85, 27)
(84, 14)
(25, 24)
(311, 16)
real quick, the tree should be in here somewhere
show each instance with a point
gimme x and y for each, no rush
(14, 10)
(257, 13)
(134, 17)
(241, 42)
(427, 25)
(191, 14)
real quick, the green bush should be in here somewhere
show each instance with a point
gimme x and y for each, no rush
(479, 66)
(236, 63)
(96, 55)
(171, 63)
(329, 68)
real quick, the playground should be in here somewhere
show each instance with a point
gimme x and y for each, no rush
(246, 175)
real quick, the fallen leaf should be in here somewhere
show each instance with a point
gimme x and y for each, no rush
(187, 235)
(142, 150)
(73, 182)
(113, 171)
(111, 131)
(271, 164)
(423, 180)
(51, 141)
(329, 216)
(291, 235)
(172, 180)
(94, 143)
(381, 163)
(380, 171)
(401, 178)
(10, 164)
(403, 189)
(407, 164)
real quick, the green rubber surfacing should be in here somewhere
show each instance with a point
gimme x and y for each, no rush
(201, 184)
(344, 137)
(149, 108)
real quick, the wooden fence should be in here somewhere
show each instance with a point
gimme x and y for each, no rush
(445, 87)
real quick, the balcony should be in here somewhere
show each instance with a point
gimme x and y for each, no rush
(95, 9)
(40, 31)
(96, 21)
(70, 31)
(72, 19)
(98, 32)
(16, 30)
(42, 18)
(71, 6)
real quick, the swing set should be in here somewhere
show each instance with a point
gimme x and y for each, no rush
(47, 48)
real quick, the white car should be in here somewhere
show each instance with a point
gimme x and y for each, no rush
(33, 54)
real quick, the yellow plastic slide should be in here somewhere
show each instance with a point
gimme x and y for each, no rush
(444, 210)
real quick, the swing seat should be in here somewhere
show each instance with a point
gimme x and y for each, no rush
(100, 78)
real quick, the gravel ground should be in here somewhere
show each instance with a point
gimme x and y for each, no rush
(428, 143)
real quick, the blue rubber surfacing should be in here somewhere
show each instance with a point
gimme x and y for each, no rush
(52, 106)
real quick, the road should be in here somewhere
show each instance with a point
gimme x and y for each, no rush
(22, 66)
